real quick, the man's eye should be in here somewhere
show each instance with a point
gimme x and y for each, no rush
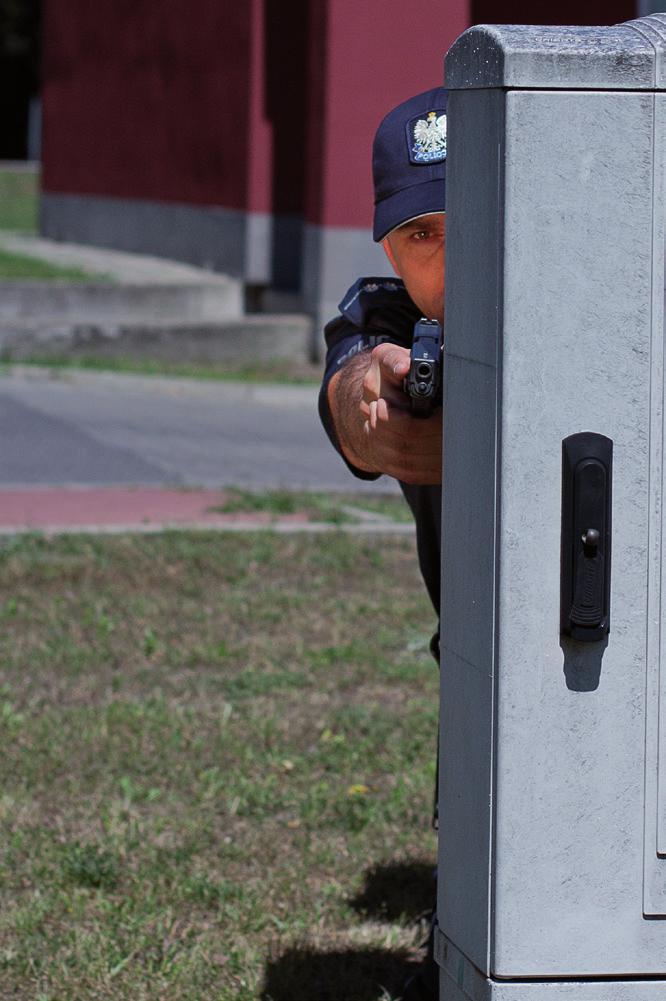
(421, 234)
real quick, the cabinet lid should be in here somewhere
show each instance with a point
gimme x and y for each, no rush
(629, 56)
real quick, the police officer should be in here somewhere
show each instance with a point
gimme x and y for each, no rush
(362, 403)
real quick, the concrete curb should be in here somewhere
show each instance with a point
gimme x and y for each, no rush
(243, 339)
(278, 528)
(272, 394)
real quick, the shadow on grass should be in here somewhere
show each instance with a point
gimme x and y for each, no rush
(353, 975)
(398, 890)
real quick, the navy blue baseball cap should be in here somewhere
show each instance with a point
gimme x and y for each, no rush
(409, 161)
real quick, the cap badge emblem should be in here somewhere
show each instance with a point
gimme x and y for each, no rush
(428, 138)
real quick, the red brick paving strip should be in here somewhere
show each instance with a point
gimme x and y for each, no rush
(49, 508)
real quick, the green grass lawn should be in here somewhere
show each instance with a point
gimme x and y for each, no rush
(327, 507)
(20, 266)
(19, 200)
(291, 373)
(217, 768)
(19, 206)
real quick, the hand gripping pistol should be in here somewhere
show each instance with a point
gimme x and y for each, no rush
(423, 383)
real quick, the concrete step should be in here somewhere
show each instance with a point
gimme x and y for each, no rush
(95, 301)
(120, 266)
(123, 287)
(143, 307)
(238, 339)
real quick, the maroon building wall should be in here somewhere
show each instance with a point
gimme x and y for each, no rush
(238, 136)
(563, 12)
(377, 54)
(239, 105)
(146, 99)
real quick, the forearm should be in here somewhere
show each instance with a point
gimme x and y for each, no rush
(374, 428)
(345, 393)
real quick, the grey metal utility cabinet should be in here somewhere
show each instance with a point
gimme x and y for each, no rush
(553, 753)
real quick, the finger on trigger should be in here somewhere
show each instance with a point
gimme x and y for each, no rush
(396, 362)
(400, 366)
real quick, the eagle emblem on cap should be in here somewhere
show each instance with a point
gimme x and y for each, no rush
(429, 138)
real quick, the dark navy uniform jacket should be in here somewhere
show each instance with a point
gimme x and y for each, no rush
(374, 311)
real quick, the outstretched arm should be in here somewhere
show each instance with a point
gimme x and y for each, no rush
(375, 428)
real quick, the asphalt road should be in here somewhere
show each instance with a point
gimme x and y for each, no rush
(103, 429)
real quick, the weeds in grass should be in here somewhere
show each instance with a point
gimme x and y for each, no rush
(322, 507)
(301, 373)
(326, 507)
(89, 865)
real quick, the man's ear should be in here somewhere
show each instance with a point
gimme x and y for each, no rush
(389, 253)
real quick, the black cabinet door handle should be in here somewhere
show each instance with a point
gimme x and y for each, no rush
(587, 466)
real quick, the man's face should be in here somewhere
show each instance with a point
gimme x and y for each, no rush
(416, 251)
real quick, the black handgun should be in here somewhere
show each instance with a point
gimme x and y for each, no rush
(423, 384)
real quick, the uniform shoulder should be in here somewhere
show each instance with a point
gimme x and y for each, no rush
(372, 299)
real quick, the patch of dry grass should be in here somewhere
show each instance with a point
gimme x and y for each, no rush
(217, 769)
